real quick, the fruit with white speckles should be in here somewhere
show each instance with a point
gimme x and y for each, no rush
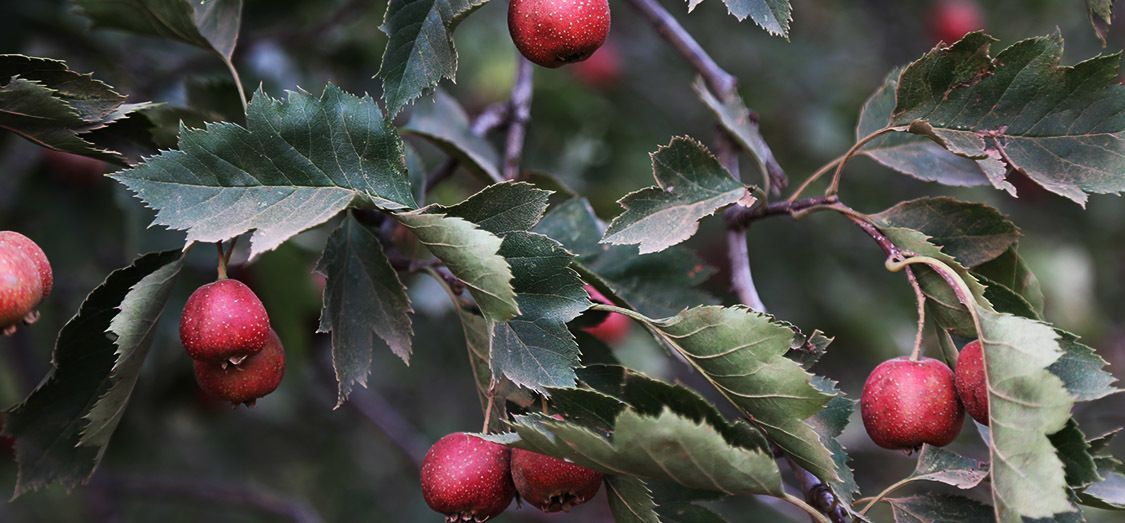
(615, 326)
(224, 321)
(551, 484)
(25, 279)
(907, 403)
(552, 33)
(970, 379)
(467, 478)
(254, 377)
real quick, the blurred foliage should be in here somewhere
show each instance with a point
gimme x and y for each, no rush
(819, 273)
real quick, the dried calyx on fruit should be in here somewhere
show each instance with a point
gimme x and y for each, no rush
(25, 280)
(551, 484)
(224, 321)
(552, 33)
(907, 402)
(467, 478)
(253, 378)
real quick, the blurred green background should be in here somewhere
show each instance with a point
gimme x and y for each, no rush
(360, 462)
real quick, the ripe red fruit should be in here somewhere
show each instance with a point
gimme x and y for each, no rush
(224, 321)
(907, 403)
(614, 328)
(21, 283)
(467, 478)
(970, 379)
(550, 484)
(552, 33)
(33, 252)
(949, 20)
(254, 377)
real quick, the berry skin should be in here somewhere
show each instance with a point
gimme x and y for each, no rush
(550, 484)
(224, 321)
(970, 379)
(949, 20)
(35, 254)
(21, 288)
(907, 403)
(467, 478)
(614, 328)
(254, 377)
(552, 33)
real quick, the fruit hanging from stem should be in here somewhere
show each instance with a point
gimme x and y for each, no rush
(467, 478)
(25, 280)
(552, 33)
(972, 387)
(906, 403)
(224, 321)
(253, 378)
(551, 484)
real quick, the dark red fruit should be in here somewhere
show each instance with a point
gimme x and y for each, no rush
(254, 377)
(550, 484)
(467, 478)
(907, 403)
(552, 33)
(614, 328)
(33, 252)
(970, 379)
(21, 288)
(949, 20)
(224, 321)
(602, 71)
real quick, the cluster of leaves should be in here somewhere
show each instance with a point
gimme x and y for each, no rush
(957, 116)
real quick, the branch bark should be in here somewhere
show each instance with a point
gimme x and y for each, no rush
(520, 115)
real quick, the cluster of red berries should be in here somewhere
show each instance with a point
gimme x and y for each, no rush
(467, 478)
(25, 280)
(225, 329)
(907, 402)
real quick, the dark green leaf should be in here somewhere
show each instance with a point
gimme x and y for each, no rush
(503, 207)
(737, 120)
(1021, 110)
(1108, 493)
(1004, 299)
(939, 508)
(48, 424)
(629, 500)
(1098, 444)
(972, 233)
(211, 25)
(589, 408)
(445, 123)
(1010, 271)
(420, 51)
(772, 15)
(1074, 452)
(937, 464)
(688, 513)
(692, 186)
(363, 297)
(829, 423)
(1101, 15)
(295, 165)
(1082, 370)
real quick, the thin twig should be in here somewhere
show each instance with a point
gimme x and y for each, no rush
(211, 492)
(493, 117)
(721, 83)
(520, 115)
(237, 81)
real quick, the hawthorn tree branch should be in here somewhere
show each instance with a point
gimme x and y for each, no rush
(493, 117)
(520, 115)
(720, 82)
(211, 492)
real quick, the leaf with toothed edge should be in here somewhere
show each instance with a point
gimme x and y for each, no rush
(772, 15)
(363, 298)
(939, 508)
(972, 233)
(445, 123)
(296, 164)
(212, 25)
(829, 423)
(630, 500)
(1101, 16)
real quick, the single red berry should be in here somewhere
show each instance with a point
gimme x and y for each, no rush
(971, 385)
(615, 326)
(949, 20)
(254, 377)
(21, 288)
(552, 33)
(224, 321)
(467, 478)
(551, 484)
(35, 254)
(907, 403)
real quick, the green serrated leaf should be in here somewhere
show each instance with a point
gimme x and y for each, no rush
(503, 207)
(666, 447)
(692, 186)
(829, 423)
(772, 15)
(972, 233)
(910, 154)
(736, 119)
(1101, 15)
(1075, 454)
(134, 328)
(363, 298)
(1010, 271)
(1108, 493)
(295, 165)
(48, 424)
(630, 500)
(937, 464)
(445, 123)
(939, 508)
(420, 51)
(1082, 370)
(211, 25)
(1021, 110)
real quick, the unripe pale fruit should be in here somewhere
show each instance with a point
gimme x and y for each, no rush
(907, 403)
(949, 20)
(614, 328)
(552, 33)
(21, 288)
(551, 484)
(467, 478)
(971, 385)
(224, 321)
(254, 377)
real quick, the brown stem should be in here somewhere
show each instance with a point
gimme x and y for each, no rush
(921, 297)
(721, 83)
(520, 115)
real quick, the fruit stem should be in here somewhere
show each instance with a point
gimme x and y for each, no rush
(488, 410)
(800, 503)
(921, 297)
(222, 262)
(883, 494)
(834, 187)
(960, 288)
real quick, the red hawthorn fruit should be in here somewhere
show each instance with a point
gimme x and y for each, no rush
(467, 478)
(36, 254)
(256, 376)
(602, 71)
(21, 288)
(552, 33)
(74, 168)
(949, 20)
(907, 403)
(224, 321)
(614, 328)
(970, 380)
(550, 484)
